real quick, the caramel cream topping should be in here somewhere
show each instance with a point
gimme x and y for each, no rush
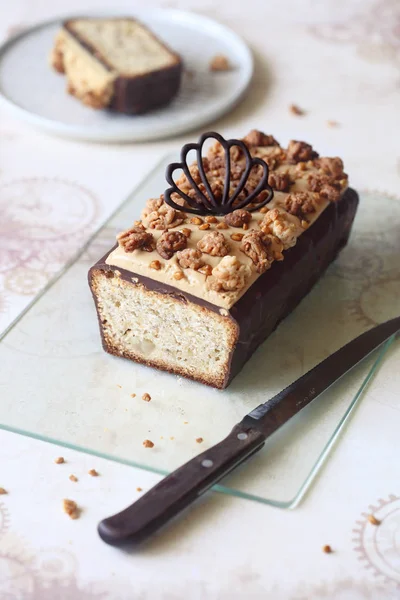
(195, 282)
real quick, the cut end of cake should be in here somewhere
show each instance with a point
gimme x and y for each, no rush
(163, 331)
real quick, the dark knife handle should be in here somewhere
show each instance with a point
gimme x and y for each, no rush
(176, 491)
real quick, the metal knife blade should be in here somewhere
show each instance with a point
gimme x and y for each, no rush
(179, 489)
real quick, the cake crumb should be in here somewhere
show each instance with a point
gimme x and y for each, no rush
(146, 397)
(93, 472)
(172, 437)
(296, 110)
(119, 386)
(185, 422)
(60, 460)
(220, 62)
(327, 549)
(199, 440)
(333, 124)
(133, 395)
(71, 508)
(161, 437)
(373, 520)
(148, 444)
(3, 491)
(139, 489)
(73, 478)
(155, 264)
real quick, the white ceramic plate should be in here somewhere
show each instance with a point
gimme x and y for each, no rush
(37, 94)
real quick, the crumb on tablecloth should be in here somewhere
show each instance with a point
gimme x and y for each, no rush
(171, 437)
(73, 478)
(60, 460)
(146, 397)
(148, 444)
(220, 62)
(333, 123)
(327, 549)
(373, 520)
(71, 508)
(296, 110)
(119, 386)
(3, 491)
(133, 395)
(93, 472)
(199, 440)
(139, 489)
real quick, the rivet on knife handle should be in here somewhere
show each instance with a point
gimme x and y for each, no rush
(169, 497)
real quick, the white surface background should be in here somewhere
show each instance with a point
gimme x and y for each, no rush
(339, 61)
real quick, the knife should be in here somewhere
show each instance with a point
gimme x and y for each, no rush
(182, 487)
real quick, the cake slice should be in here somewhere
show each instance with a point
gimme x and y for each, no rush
(116, 63)
(201, 280)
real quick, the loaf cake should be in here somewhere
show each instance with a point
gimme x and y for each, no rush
(219, 259)
(117, 64)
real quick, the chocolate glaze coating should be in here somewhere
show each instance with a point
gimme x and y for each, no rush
(278, 291)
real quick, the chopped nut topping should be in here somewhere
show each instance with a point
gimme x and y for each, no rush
(276, 221)
(262, 248)
(60, 460)
(296, 110)
(279, 181)
(222, 225)
(199, 440)
(155, 264)
(327, 549)
(136, 238)
(187, 232)
(258, 138)
(165, 217)
(3, 491)
(190, 259)
(196, 220)
(237, 218)
(93, 472)
(211, 219)
(152, 205)
(206, 270)
(245, 226)
(220, 63)
(373, 520)
(326, 185)
(331, 166)
(300, 151)
(302, 203)
(229, 275)
(178, 275)
(170, 242)
(204, 226)
(148, 444)
(213, 243)
(71, 508)
(73, 478)
(146, 397)
(237, 237)
(305, 224)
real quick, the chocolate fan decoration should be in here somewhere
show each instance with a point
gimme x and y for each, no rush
(209, 204)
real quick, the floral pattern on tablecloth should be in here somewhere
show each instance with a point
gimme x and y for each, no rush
(43, 223)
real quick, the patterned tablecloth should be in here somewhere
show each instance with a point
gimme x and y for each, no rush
(340, 62)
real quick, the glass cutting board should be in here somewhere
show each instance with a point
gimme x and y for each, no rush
(57, 384)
